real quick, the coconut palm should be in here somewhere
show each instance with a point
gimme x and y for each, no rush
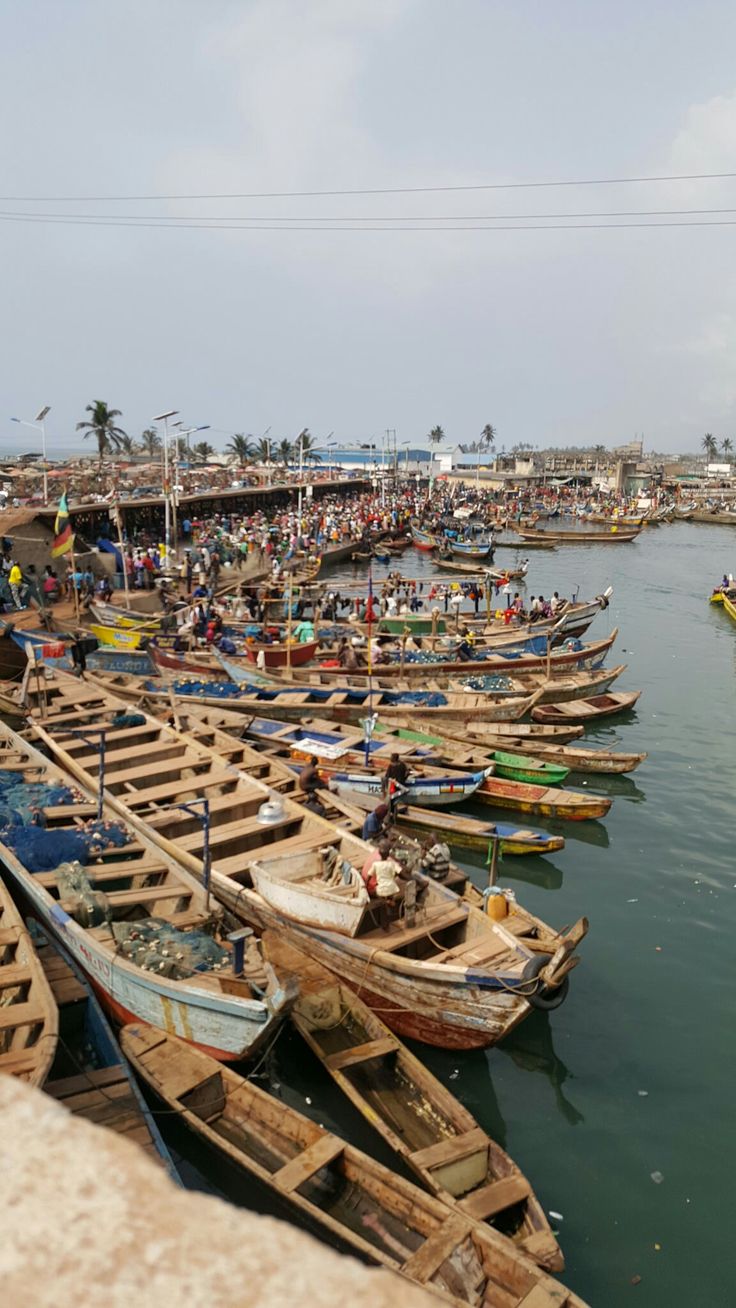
(285, 451)
(127, 446)
(308, 449)
(102, 426)
(710, 445)
(240, 449)
(150, 442)
(727, 448)
(203, 452)
(488, 437)
(436, 436)
(262, 450)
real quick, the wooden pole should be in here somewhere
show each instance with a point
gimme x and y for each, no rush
(493, 865)
(74, 582)
(119, 525)
(290, 596)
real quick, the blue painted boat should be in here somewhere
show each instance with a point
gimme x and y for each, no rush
(466, 549)
(428, 792)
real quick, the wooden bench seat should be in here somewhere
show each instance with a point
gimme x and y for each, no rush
(430, 923)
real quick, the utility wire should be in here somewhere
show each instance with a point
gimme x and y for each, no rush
(361, 218)
(269, 227)
(382, 190)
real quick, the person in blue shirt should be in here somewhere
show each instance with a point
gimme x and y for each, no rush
(374, 823)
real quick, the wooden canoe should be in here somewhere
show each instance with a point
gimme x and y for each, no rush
(541, 801)
(510, 660)
(571, 759)
(429, 790)
(468, 833)
(29, 1018)
(612, 537)
(90, 1077)
(341, 1193)
(282, 655)
(319, 896)
(98, 921)
(551, 690)
(453, 1157)
(586, 710)
(417, 975)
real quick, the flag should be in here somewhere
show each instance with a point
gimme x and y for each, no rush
(63, 535)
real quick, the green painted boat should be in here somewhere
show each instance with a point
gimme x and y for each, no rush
(511, 767)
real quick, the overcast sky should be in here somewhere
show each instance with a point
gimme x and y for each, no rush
(560, 337)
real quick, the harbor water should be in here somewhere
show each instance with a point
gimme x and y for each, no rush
(618, 1106)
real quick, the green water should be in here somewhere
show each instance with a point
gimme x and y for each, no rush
(651, 1007)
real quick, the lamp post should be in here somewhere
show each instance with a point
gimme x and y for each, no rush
(39, 424)
(264, 437)
(183, 433)
(406, 445)
(164, 418)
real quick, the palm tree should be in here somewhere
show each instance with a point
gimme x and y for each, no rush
(308, 449)
(203, 452)
(488, 437)
(710, 445)
(127, 446)
(102, 426)
(436, 435)
(727, 448)
(262, 450)
(150, 442)
(285, 452)
(240, 449)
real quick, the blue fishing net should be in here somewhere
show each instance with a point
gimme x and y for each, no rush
(423, 698)
(129, 720)
(156, 946)
(21, 801)
(41, 850)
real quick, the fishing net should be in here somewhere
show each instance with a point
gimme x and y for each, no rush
(129, 720)
(156, 946)
(497, 683)
(42, 850)
(21, 801)
(424, 698)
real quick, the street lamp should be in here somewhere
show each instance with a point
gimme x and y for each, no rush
(164, 418)
(182, 433)
(39, 424)
(406, 445)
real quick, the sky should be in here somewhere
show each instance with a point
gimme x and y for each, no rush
(554, 336)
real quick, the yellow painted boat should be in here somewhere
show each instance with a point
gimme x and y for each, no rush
(119, 637)
(730, 607)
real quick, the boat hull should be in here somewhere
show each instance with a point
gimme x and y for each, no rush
(279, 656)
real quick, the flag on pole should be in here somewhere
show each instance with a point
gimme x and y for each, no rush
(63, 535)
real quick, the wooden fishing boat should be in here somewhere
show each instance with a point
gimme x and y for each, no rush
(553, 689)
(612, 537)
(9, 706)
(466, 832)
(482, 574)
(572, 620)
(537, 544)
(325, 896)
(586, 710)
(571, 759)
(341, 1193)
(282, 654)
(424, 540)
(576, 656)
(29, 1019)
(428, 790)
(90, 1076)
(99, 912)
(528, 735)
(453, 1157)
(729, 606)
(454, 978)
(193, 663)
(293, 703)
(541, 801)
(122, 638)
(397, 545)
(469, 550)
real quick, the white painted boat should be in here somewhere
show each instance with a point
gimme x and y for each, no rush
(215, 1010)
(303, 892)
(430, 792)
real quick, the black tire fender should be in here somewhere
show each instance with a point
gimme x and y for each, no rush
(541, 997)
(602, 600)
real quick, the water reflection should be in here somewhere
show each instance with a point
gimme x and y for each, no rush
(530, 1047)
(467, 1075)
(534, 870)
(589, 833)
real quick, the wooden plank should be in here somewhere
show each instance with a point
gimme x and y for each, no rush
(431, 923)
(361, 1053)
(317, 1155)
(451, 1150)
(20, 1015)
(425, 1260)
(146, 894)
(15, 974)
(545, 1294)
(72, 1085)
(493, 1198)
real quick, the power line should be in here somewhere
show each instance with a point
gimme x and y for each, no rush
(176, 219)
(246, 226)
(382, 190)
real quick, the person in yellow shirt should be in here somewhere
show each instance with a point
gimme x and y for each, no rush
(15, 579)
